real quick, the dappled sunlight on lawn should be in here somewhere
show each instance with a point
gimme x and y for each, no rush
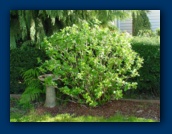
(33, 117)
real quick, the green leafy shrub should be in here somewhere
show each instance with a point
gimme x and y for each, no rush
(149, 50)
(146, 33)
(153, 41)
(158, 31)
(20, 61)
(93, 63)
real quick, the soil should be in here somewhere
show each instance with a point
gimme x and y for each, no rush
(149, 109)
(144, 109)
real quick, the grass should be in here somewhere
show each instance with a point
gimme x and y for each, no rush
(32, 116)
(19, 113)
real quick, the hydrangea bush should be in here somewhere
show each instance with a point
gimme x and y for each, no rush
(93, 64)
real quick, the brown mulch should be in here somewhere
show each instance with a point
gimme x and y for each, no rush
(144, 109)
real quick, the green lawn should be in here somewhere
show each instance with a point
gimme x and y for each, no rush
(33, 117)
(19, 113)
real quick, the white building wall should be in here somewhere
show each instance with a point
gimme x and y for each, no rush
(126, 25)
(154, 18)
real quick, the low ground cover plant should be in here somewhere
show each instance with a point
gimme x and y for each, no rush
(18, 113)
(33, 117)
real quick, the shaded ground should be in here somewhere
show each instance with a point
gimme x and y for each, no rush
(144, 109)
(149, 109)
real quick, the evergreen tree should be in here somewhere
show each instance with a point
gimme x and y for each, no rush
(140, 22)
(29, 27)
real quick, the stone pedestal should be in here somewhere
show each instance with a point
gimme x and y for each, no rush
(50, 100)
(50, 97)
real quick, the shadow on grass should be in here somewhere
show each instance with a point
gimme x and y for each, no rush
(33, 117)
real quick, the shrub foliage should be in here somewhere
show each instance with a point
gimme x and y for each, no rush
(93, 64)
(158, 31)
(20, 61)
(149, 80)
(146, 33)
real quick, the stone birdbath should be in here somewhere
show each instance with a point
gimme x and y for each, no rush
(50, 100)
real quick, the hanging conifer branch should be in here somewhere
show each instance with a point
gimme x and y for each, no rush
(29, 27)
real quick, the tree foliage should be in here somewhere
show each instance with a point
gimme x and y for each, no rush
(140, 22)
(28, 27)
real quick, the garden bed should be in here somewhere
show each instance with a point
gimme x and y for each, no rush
(149, 109)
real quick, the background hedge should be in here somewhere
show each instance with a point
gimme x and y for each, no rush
(20, 61)
(149, 80)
